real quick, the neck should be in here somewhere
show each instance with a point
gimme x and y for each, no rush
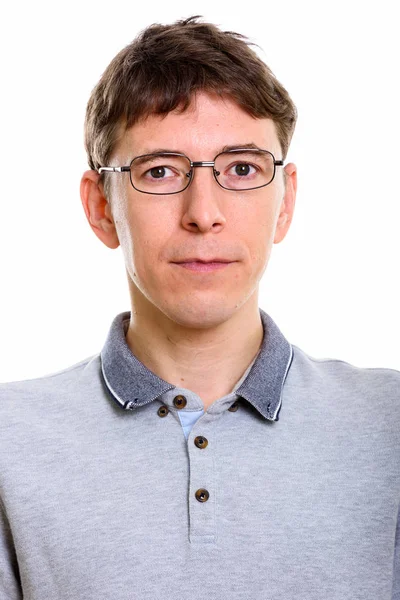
(206, 360)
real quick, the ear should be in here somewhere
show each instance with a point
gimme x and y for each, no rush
(97, 209)
(287, 206)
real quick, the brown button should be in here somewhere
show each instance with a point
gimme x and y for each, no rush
(202, 495)
(163, 411)
(234, 406)
(180, 401)
(201, 442)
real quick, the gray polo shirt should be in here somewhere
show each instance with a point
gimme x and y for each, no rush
(115, 484)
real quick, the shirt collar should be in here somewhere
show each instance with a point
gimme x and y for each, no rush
(132, 384)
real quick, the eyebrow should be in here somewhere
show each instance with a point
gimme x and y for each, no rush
(250, 145)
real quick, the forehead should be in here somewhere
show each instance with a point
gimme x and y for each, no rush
(209, 123)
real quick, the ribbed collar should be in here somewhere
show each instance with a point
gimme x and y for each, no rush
(132, 384)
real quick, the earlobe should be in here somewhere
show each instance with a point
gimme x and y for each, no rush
(95, 205)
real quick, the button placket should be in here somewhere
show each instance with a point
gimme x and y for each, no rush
(201, 498)
(202, 479)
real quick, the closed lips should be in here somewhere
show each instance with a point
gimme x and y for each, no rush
(200, 260)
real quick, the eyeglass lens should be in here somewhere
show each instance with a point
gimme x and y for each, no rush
(170, 173)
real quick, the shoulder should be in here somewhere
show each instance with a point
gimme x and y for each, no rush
(359, 405)
(377, 388)
(37, 392)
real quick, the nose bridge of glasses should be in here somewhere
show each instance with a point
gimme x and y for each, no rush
(202, 163)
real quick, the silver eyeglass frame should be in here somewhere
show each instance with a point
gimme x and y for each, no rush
(190, 175)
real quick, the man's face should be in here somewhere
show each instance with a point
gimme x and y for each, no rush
(203, 221)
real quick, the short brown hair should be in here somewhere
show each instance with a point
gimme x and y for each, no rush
(163, 67)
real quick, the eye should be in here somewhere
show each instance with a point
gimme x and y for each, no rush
(243, 169)
(159, 172)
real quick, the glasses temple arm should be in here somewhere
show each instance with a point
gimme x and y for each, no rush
(113, 169)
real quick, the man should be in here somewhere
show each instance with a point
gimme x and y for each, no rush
(199, 454)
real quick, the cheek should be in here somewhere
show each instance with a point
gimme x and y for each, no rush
(149, 235)
(257, 232)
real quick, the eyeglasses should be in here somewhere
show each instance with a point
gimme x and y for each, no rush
(171, 172)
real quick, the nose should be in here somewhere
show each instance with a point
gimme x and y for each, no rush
(204, 201)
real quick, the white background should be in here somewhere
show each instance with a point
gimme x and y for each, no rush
(331, 285)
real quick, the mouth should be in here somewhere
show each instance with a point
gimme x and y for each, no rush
(215, 259)
(204, 266)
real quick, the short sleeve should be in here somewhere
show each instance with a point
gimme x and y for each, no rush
(10, 586)
(396, 562)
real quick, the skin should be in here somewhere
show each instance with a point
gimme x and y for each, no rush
(199, 331)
